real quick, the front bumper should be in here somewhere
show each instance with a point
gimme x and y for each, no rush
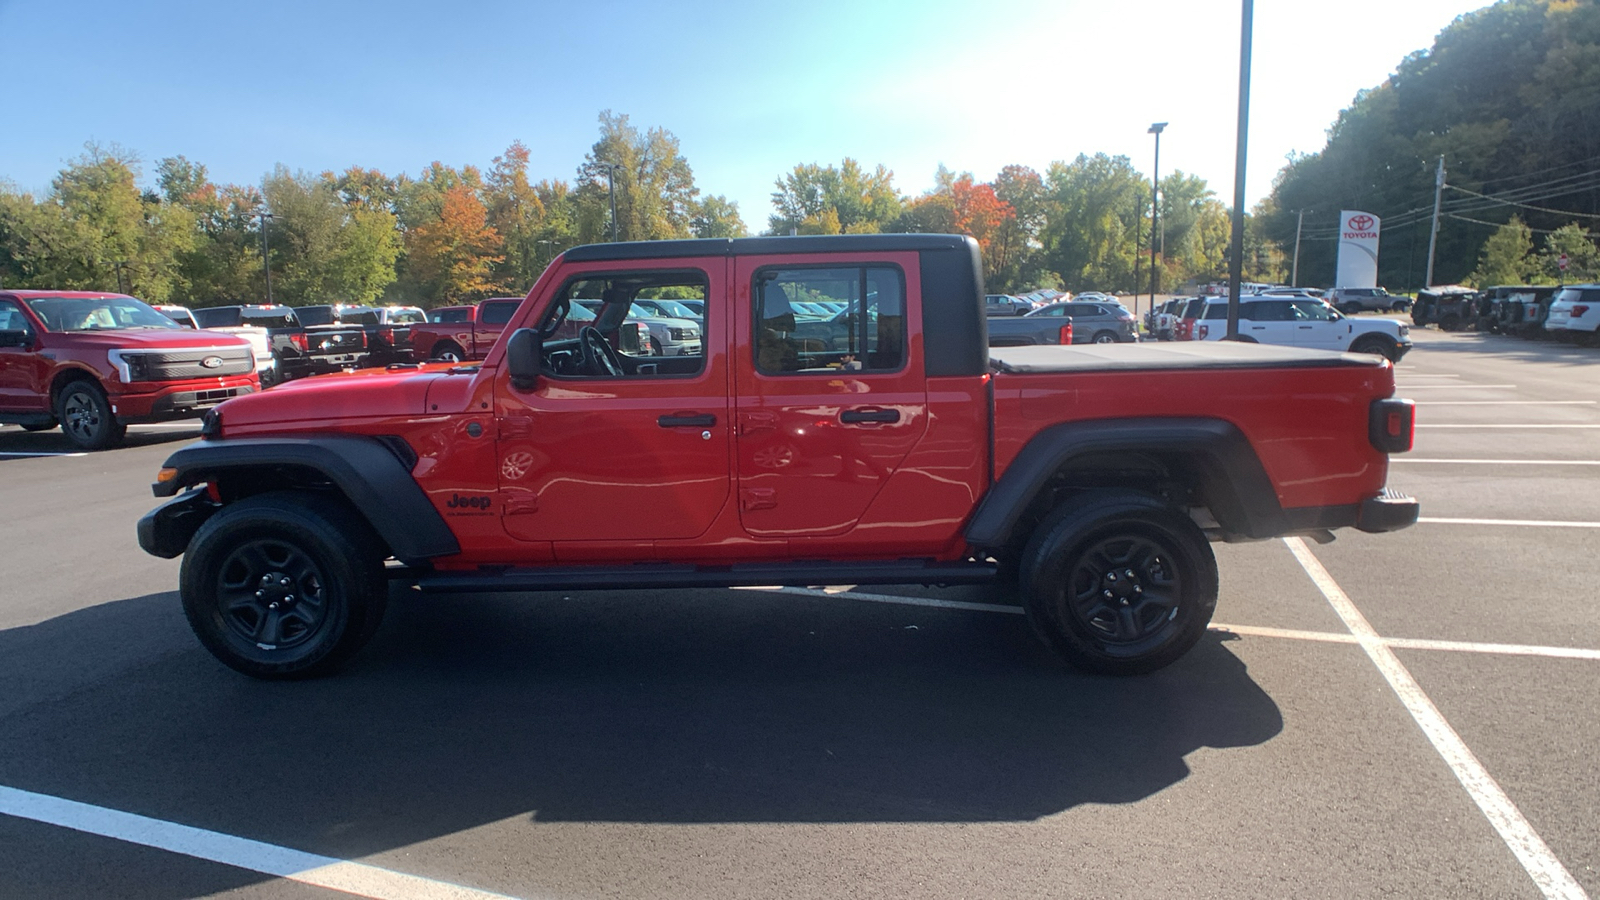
(166, 530)
(181, 400)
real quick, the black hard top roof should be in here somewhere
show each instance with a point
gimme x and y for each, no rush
(830, 243)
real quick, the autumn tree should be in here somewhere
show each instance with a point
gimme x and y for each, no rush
(454, 255)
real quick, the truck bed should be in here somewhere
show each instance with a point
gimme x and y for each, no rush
(1182, 355)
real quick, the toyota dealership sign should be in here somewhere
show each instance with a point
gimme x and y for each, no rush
(1358, 249)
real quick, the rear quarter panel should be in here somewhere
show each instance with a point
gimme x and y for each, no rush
(1308, 426)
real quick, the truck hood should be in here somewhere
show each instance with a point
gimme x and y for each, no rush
(362, 394)
(145, 339)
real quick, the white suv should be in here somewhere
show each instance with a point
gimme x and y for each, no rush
(1575, 310)
(1304, 322)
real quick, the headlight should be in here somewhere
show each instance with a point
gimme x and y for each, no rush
(131, 366)
(1405, 330)
(684, 334)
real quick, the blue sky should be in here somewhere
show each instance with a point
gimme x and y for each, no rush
(750, 89)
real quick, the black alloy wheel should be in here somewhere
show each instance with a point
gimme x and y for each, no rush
(86, 417)
(284, 584)
(271, 593)
(1119, 583)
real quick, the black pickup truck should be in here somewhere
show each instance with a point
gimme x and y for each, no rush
(336, 343)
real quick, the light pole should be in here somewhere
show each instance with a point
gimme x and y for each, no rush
(1242, 141)
(1294, 269)
(552, 244)
(265, 266)
(611, 186)
(1155, 207)
(122, 284)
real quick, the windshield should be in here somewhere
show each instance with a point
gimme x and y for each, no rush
(96, 313)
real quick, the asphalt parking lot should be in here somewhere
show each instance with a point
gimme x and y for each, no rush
(1406, 715)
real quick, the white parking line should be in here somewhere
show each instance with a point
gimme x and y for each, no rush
(1547, 872)
(193, 425)
(307, 868)
(1496, 462)
(1453, 387)
(39, 453)
(1519, 523)
(1523, 427)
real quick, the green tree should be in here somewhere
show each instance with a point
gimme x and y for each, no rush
(717, 217)
(1583, 258)
(324, 251)
(1089, 231)
(1017, 257)
(860, 202)
(654, 184)
(1504, 257)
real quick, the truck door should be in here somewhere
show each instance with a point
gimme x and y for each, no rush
(826, 408)
(589, 455)
(20, 367)
(1317, 326)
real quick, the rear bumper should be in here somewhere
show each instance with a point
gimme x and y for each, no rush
(1389, 511)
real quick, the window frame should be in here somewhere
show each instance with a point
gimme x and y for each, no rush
(862, 266)
(536, 322)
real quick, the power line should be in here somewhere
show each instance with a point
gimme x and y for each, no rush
(1498, 224)
(1495, 201)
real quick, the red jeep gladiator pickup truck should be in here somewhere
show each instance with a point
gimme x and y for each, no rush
(457, 333)
(1092, 476)
(94, 362)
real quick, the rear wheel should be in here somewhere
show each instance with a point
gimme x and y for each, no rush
(1375, 344)
(1401, 306)
(1119, 583)
(1350, 309)
(86, 417)
(448, 352)
(284, 585)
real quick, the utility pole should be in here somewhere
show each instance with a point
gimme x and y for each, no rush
(122, 284)
(1138, 239)
(1433, 237)
(266, 267)
(1155, 207)
(1294, 270)
(1236, 244)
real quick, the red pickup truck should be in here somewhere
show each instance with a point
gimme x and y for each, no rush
(458, 333)
(92, 363)
(1091, 477)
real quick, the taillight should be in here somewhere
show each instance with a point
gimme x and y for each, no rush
(386, 334)
(1580, 310)
(1065, 337)
(1391, 425)
(1204, 330)
(300, 342)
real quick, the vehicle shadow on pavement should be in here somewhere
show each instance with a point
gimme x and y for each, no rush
(667, 707)
(16, 441)
(1550, 350)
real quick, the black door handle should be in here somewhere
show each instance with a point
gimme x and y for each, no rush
(690, 421)
(870, 415)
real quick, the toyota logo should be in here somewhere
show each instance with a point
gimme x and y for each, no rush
(211, 362)
(1360, 223)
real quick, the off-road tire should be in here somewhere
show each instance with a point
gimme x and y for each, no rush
(1450, 322)
(1086, 549)
(86, 417)
(41, 426)
(284, 585)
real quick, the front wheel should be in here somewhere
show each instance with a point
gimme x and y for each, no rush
(449, 353)
(1380, 346)
(86, 417)
(1119, 583)
(284, 585)
(1105, 337)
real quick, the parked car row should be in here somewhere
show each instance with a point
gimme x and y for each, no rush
(1531, 311)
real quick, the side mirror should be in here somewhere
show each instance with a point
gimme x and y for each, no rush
(523, 358)
(16, 338)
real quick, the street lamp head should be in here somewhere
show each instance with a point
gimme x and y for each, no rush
(1157, 128)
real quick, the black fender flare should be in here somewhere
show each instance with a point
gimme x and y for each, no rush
(370, 474)
(1236, 486)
